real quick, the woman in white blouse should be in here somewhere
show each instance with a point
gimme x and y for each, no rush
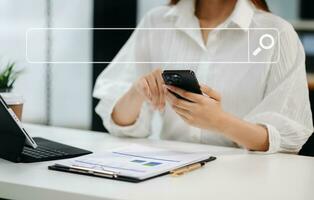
(257, 102)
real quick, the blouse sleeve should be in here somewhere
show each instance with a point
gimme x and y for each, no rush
(117, 79)
(285, 109)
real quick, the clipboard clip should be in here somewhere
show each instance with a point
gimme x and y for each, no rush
(101, 173)
(186, 169)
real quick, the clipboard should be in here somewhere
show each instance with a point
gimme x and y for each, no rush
(115, 176)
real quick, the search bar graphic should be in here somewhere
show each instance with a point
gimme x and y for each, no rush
(253, 45)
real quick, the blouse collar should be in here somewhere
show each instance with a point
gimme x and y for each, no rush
(184, 11)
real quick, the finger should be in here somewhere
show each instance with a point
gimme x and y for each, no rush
(184, 114)
(142, 87)
(179, 103)
(158, 100)
(153, 90)
(187, 95)
(145, 89)
(210, 92)
(160, 83)
(186, 120)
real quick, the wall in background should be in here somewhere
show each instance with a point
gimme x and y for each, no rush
(71, 83)
(16, 17)
(144, 6)
(288, 9)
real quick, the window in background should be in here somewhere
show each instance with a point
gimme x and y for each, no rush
(71, 84)
(16, 17)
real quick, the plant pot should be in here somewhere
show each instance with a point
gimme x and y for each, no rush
(5, 90)
(14, 101)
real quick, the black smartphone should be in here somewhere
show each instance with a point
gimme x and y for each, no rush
(184, 79)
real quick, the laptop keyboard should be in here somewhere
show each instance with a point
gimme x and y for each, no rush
(43, 152)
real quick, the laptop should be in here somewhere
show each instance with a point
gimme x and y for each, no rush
(17, 146)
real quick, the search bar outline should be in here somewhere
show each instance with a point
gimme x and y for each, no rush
(154, 62)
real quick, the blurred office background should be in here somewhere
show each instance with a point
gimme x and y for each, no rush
(60, 94)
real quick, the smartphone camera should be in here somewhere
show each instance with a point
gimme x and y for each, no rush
(172, 79)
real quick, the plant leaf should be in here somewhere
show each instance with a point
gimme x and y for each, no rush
(8, 76)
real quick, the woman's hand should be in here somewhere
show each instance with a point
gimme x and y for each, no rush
(147, 88)
(203, 111)
(150, 88)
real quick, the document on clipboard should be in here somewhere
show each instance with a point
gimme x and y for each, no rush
(134, 163)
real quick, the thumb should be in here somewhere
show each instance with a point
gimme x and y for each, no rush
(210, 92)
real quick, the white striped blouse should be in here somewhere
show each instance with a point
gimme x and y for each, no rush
(254, 60)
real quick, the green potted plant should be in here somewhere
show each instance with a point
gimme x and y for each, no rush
(8, 76)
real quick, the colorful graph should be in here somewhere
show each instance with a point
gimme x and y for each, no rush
(152, 164)
(146, 163)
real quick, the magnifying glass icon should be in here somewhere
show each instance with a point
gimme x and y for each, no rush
(263, 45)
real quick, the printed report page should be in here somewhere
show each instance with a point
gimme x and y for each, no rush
(137, 161)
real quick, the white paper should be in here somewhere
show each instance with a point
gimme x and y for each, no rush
(137, 161)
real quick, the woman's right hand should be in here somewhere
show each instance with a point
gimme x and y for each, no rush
(150, 88)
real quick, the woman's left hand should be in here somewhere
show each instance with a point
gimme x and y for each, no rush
(204, 111)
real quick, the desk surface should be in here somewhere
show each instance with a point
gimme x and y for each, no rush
(236, 174)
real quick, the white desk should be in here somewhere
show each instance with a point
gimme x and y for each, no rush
(234, 175)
